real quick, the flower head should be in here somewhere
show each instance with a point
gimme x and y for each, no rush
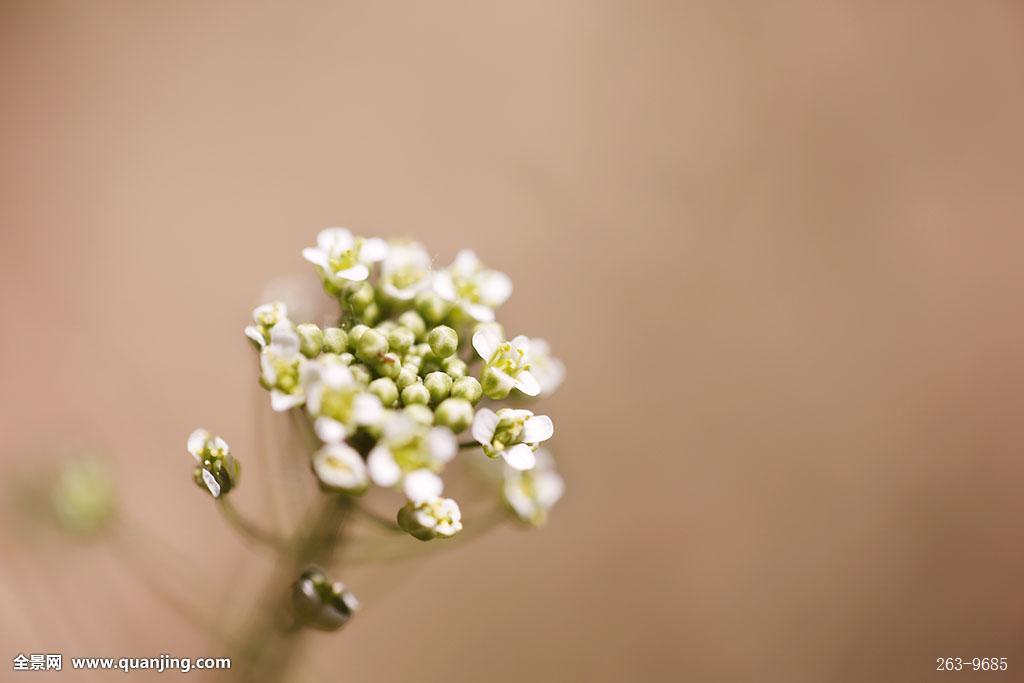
(216, 469)
(405, 271)
(281, 366)
(337, 401)
(532, 493)
(431, 518)
(475, 289)
(506, 364)
(339, 467)
(411, 453)
(264, 318)
(341, 257)
(513, 434)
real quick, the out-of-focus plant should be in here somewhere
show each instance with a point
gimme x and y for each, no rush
(406, 379)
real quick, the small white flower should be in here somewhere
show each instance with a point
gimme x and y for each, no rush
(430, 518)
(265, 317)
(531, 494)
(342, 257)
(337, 401)
(412, 454)
(477, 290)
(281, 367)
(513, 434)
(406, 271)
(216, 470)
(548, 370)
(340, 468)
(507, 364)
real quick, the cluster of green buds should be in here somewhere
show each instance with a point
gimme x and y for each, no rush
(403, 380)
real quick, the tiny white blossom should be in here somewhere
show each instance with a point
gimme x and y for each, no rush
(281, 367)
(507, 364)
(548, 370)
(406, 271)
(341, 257)
(477, 290)
(340, 467)
(411, 454)
(431, 517)
(513, 434)
(337, 401)
(216, 470)
(531, 494)
(265, 317)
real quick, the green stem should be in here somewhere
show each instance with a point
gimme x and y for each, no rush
(249, 529)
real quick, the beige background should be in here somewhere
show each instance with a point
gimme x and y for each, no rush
(778, 244)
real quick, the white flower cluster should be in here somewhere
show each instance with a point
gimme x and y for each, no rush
(389, 389)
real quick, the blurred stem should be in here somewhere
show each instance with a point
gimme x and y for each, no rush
(377, 519)
(248, 528)
(465, 445)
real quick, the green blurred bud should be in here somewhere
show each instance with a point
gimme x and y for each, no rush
(468, 388)
(320, 603)
(454, 413)
(426, 520)
(415, 393)
(443, 340)
(496, 384)
(370, 314)
(409, 374)
(360, 297)
(432, 307)
(439, 385)
(311, 339)
(354, 334)
(83, 497)
(371, 345)
(421, 350)
(346, 358)
(413, 321)
(385, 390)
(401, 338)
(454, 366)
(420, 413)
(389, 365)
(335, 340)
(361, 373)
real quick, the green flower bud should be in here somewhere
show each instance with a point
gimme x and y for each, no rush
(496, 384)
(370, 314)
(454, 366)
(413, 321)
(415, 393)
(401, 338)
(335, 340)
(216, 470)
(360, 297)
(409, 374)
(346, 358)
(420, 413)
(385, 390)
(320, 603)
(468, 388)
(389, 366)
(354, 334)
(454, 413)
(371, 345)
(420, 350)
(311, 339)
(361, 373)
(432, 307)
(443, 340)
(439, 385)
(426, 520)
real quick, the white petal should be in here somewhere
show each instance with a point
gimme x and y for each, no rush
(315, 256)
(443, 286)
(549, 487)
(196, 442)
(341, 467)
(486, 342)
(466, 262)
(519, 457)
(442, 444)
(334, 240)
(383, 469)
(329, 430)
(422, 485)
(484, 423)
(374, 249)
(521, 342)
(281, 401)
(253, 332)
(479, 312)
(495, 288)
(284, 339)
(211, 484)
(367, 409)
(356, 273)
(537, 428)
(335, 375)
(527, 383)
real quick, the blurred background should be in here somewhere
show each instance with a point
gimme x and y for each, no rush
(778, 245)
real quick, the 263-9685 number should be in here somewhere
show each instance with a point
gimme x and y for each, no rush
(971, 664)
